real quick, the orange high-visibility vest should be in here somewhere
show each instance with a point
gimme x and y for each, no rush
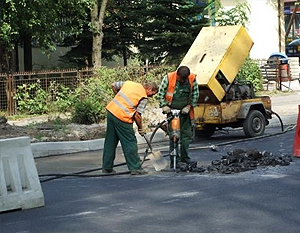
(172, 78)
(123, 106)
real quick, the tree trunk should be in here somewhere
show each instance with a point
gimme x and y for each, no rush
(97, 23)
(14, 59)
(124, 56)
(9, 61)
(4, 64)
(27, 53)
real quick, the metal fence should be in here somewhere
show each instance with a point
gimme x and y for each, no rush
(10, 82)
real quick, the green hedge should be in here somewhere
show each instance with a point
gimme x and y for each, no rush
(87, 102)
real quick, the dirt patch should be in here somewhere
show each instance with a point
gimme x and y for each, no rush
(56, 128)
(51, 132)
(9, 131)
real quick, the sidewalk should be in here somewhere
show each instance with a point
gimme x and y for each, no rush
(286, 103)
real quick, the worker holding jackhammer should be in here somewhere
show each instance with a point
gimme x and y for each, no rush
(179, 90)
(126, 107)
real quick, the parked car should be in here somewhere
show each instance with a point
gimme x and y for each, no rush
(293, 48)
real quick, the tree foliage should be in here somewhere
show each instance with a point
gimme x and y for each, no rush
(234, 16)
(160, 30)
(169, 29)
(123, 28)
(211, 9)
(38, 22)
(8, 27)
(250, 71)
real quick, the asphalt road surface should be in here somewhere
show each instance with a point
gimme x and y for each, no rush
(258, 201)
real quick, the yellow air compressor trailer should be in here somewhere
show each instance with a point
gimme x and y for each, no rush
(216, 57)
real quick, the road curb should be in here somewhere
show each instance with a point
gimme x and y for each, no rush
(44, 149)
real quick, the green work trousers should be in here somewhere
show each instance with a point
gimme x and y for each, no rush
(116, 131)
(180, 100)
(185, 139)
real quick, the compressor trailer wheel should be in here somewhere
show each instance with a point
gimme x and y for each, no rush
(255, 124)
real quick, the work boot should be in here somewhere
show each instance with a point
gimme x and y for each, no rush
(138, 172)
(108, 171)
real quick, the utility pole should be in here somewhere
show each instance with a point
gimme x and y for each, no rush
(279, 23)
(291, 22)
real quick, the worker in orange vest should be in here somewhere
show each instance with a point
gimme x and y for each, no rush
(126, 107)
(179, 90)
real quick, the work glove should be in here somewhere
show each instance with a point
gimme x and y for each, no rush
(166, 109)
(186, 109)
(142, 132)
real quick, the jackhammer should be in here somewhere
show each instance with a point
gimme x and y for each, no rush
(171, 126)
(175, 135)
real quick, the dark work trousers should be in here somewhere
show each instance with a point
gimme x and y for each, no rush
(180, 100)
(116, 131)
(185, 139)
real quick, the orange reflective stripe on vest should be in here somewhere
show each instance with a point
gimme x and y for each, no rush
(172, 78)
(123, 106)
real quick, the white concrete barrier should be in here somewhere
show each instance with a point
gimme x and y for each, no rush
(294, 67)
(294, 71)
(20, 186)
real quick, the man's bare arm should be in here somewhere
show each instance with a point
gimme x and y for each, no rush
(138, 120)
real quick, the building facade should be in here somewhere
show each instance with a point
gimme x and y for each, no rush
(266, 27)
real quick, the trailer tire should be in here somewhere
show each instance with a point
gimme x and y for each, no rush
(255, 123)
(206, 132)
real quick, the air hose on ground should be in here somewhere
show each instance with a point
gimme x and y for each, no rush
(158, 126)
(289, 128)
(281, 123)
(81, 174)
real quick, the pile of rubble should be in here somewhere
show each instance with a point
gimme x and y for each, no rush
(240, 160)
